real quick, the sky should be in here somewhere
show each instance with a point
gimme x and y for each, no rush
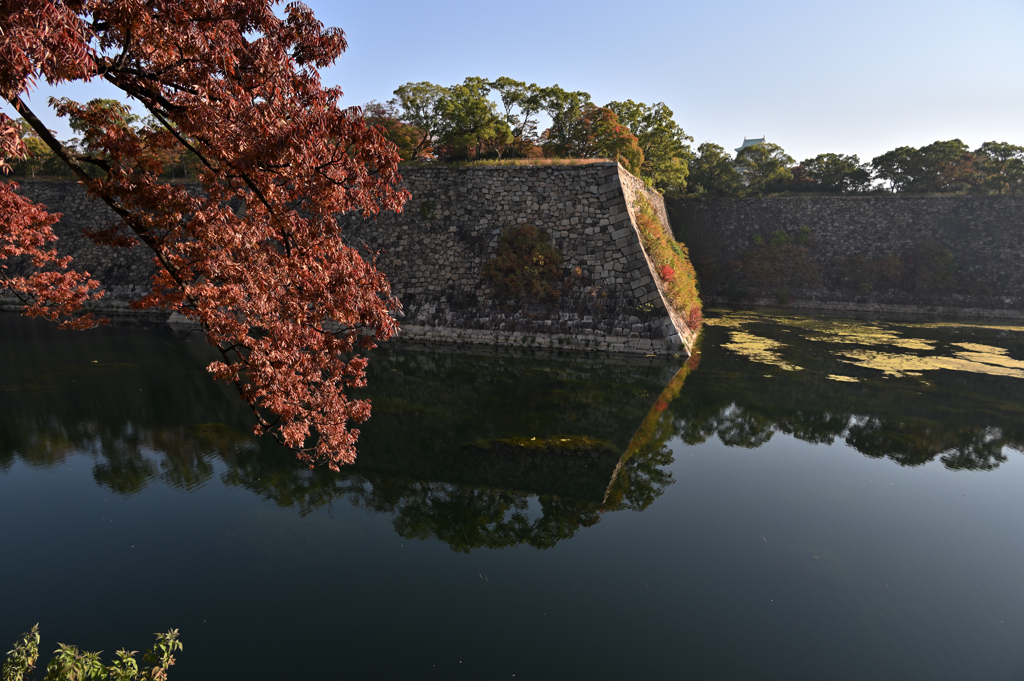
(812, 76)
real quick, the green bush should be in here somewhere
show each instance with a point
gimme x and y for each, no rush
(526, 265)
(71, 664)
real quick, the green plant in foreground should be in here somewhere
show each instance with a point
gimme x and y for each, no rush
(71, 664)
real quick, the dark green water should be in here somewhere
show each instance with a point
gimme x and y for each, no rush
(816, 499)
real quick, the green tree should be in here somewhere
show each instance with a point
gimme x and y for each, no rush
(895, 167)
(566, 109)
(1003, 167)
(662, 140)
(610, 139)
(942, 166)
(419, 108)
(838, 173)
(762, 164)
(98, 116)
(712, 171)
(579, 129)
(522, 103)
(38, 153)
(470, 123)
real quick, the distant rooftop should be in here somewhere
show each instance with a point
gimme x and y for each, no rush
(750, 142)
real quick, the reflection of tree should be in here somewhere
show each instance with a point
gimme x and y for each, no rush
(743, 428)
(909, 442)
(465, 517)
(984, 454)
(904, 421)
(462, 516)
(816, 427)
(473, 449)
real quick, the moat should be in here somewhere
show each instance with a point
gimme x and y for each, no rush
(803, 498)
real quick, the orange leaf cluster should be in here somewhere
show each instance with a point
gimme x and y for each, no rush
(257, 257)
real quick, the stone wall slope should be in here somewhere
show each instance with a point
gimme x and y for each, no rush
(434, 251)
(433, 254)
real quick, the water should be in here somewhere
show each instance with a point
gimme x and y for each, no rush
(815, 499)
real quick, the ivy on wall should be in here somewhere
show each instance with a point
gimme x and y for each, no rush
(671, 264)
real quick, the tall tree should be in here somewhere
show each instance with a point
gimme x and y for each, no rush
(566, 111)
(419, 109)
(665, 145)
(838, 173)
(37, 154)
(762, 164)
(521, 103)
(470, 122)
(942, 166)
(387, 116)
(607, 138)
(592, 132)
(257, 257)
(895, 167)
(712, 171)
(1003, 167)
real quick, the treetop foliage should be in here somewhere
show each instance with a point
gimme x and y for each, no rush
(939, 168)
(500, 119)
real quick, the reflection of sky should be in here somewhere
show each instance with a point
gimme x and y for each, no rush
(815, 77)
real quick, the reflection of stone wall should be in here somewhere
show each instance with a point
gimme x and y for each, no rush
(864, 252)
(433, 254)
(463, 417)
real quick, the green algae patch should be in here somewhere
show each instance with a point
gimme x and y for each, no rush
(899, 365)
(759, 349)
(561, 445)
(959, 325)
(861, 334)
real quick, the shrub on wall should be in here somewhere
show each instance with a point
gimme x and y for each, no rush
(526, 265)
(867, 275)
(933, 267)
(672, 263)
(780, 263)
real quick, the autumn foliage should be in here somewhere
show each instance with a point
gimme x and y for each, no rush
(672, 262)
(256, 257)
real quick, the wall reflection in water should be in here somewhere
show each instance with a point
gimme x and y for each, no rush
(496, 450)
(475, 449)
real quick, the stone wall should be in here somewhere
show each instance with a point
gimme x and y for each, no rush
(124, 273)
(434, 251)
(433, 254)
(957, 254)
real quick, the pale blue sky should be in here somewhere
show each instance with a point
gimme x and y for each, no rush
(853, 77)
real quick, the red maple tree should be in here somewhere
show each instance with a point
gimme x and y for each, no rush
(256, 257)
